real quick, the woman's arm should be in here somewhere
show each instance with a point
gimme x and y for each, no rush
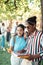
(10, 49)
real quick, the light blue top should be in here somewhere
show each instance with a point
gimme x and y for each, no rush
(19, 43)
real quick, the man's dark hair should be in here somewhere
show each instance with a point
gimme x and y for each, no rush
(31, 20)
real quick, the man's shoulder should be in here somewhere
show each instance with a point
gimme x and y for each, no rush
(39, 32)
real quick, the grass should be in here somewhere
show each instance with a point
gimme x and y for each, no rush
(4, 57)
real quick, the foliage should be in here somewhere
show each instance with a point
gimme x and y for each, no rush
(18, 9)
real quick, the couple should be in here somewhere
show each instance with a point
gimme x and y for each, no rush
(34, 44)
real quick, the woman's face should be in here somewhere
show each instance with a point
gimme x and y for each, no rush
(20, 31)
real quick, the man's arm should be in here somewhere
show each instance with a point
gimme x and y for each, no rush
(24, 56)
(30, 57)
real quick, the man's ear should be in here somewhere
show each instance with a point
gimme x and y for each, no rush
(34, 26)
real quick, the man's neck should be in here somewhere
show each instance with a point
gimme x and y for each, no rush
(32, 32)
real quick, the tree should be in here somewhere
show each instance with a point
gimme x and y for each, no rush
(42, 13)
(6, 1)
(18, 9)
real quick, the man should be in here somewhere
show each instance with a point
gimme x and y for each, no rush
(3, 36)
(34, 41)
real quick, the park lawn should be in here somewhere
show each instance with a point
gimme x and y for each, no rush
(4, 57)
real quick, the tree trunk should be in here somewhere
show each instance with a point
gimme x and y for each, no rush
(42, 12)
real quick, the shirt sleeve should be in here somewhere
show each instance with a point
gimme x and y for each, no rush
(41, 42)
(26, 45)
(12, 42)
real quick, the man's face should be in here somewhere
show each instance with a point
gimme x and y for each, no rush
(30, 28)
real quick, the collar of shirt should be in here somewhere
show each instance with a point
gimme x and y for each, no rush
(32, 35)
